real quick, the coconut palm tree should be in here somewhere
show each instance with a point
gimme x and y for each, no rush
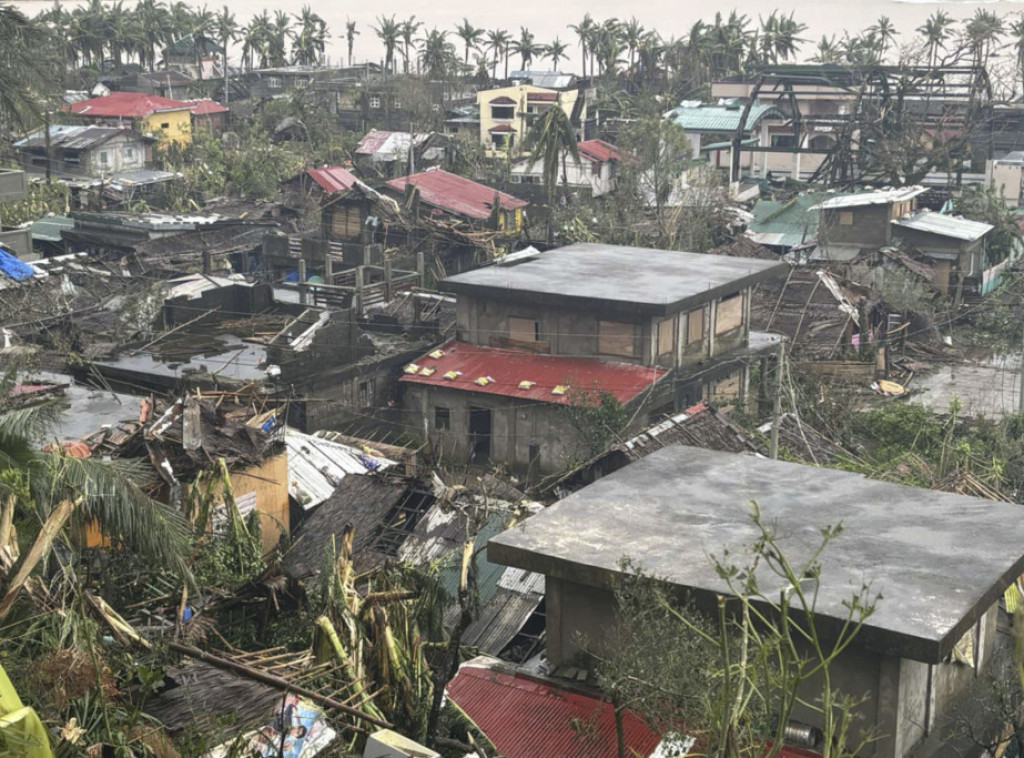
(551, 141)
(470, 36)
(350, 37)
(437, 55)
(310, 41)
(58, 494)
(227, 31)
(885, 34)
(28, 70)
(583, 30)
(526, 47)
(828, 51)
(935, 31)
(497, 44)
(257, 40)
(555, 52)
(388, 31)
(983, 31)
(1017, 31)
(632, 34)
(407, 31)
(154, 25)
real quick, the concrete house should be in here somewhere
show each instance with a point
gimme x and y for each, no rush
(594, 172)
(171, 121)
(507, 113)
(941, 562)
(658, 330)
(85, 150)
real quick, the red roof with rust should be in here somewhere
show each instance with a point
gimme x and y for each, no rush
(456, 194)
(505, 370)
(598, 150)
(527, 718)
(333, 178)
(139, 105)
(544, 97)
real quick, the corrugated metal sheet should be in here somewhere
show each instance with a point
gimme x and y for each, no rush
(720, 118)
(317, 465)
(499, 621)
(876, 197)
(456, 194)
(333, 178)
(521, 580)
(788, 223)
(527, 718)
(389, 146)
(549, 79)
(195, 285)
(598, 150)
(945, 226)
(126, 105)
(71, 137)
(505, 370)
(205, 106)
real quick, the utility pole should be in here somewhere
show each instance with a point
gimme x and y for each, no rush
(1020, 378)
(773, 449)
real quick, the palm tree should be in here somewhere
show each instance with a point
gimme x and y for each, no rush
(885, 34)
(583, 30)
(350, 37)
(555, 52)
(388, 31)
(526, 47)
(154, 23)
(437, 55)
(310, 41)
(936, 31)
(828, 51)
(227, 32)
(497, 44)
(632, 34)
(983, 31)
(1017, 30)
(60, 494)
(407, 31)
(257, 40)
(28, 71)
(551, 140)
(280, 31)
(470, 36)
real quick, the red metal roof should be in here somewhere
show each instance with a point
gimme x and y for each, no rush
(501, 128)
(599, 150)
(456, 194)
(333, 178)
(548, 97)
(141, 104)
(205, 107)
(506, 369)
(527, 718)
(503, 100)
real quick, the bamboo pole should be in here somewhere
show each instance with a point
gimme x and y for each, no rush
(275, 681)
(40, 547)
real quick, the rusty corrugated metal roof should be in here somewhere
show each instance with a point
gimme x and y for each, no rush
(456, 194)
(599, 150)
(333, 178)
(506, 371)
(525, 717)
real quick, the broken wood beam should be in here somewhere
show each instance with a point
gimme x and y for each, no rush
(277, 682)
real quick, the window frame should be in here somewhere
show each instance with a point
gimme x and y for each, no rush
(604, 348)
(442, 418)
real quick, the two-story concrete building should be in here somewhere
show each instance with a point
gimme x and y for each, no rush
(940, 561)
(656, 329)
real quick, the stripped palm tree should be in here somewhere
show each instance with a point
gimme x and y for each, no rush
(350, 37)
(555, 52)
(388, 31)
(551, 142)
(935, 31)
(28, 71)
(497, 44)
(470, 36)
(583, 30)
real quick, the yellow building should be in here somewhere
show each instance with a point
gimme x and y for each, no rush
(507, 113)
(170, 121)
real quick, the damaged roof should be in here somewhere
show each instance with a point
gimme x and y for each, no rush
(705, 117)
(333, 178)
(456, 194)
(598, 151)
(944, 225)
(528, 376)
(317, 465)
(73, 137)
(874, 197)
(389, 146)
(786, 223)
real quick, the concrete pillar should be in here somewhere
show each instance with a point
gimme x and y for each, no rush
(357, 299)
(388, 293)
(302, 281)
(421, 268)
(207, 262)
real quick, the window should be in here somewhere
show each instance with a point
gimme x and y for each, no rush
(533, 454)
(503, 112)
(129, 154)
(616, 338)
(375, 101)
(783, 140)
(397, 104)
(523, 329)
(846, 218)
(165, 125)
(274, 82)
(442, 417)
(517, 179)
(666, 336)
(365, 393)
(730, 314)
(695, 326)
(104, 158)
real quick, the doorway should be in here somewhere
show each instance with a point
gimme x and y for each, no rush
(479, 435)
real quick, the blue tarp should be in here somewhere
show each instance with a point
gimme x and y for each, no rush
(14, 268)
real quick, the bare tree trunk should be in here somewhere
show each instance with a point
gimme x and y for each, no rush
(441, 678)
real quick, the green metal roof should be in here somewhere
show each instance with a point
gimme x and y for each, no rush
(487, 573)
(785, 224)
(720, 118)
(47, 229)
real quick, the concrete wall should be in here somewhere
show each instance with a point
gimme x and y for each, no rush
(1007, 180)
(521, 110)
(565, 331)
(123, 153)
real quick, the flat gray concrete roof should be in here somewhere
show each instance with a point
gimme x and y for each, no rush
(658, 282)
(939, 560)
